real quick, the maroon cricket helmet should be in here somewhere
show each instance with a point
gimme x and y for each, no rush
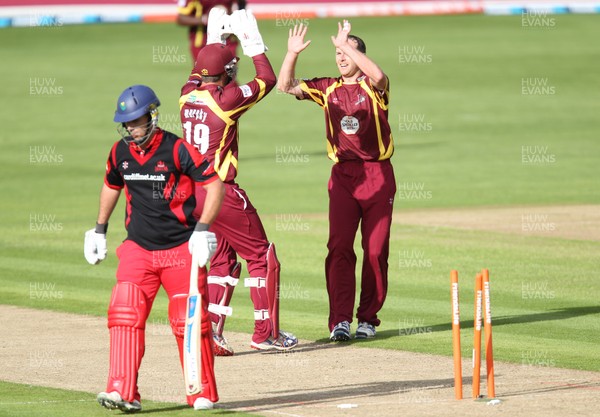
(214, 59)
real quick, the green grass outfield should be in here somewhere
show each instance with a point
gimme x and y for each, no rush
(27, 400)
(484, 95)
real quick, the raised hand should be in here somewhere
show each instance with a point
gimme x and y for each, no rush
(341, 38)
(245, 27)
(218, 29)
(296, 42)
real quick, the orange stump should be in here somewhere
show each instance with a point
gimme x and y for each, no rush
(456, 336)
(477, 336)
(487, 329)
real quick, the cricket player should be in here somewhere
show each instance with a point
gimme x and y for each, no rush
(159, 173)
(211, 104)
(194, 15)
(362, 185)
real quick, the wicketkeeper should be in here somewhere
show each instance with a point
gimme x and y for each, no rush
(159, 173)
(211, 104)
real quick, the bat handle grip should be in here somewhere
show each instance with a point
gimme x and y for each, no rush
(194, 273)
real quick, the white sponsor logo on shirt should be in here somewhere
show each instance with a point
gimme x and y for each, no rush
(144, 177)
(246, 91)
(350, 125)
(195, 100)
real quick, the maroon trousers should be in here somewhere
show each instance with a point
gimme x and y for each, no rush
(359, 192)
(239, 231)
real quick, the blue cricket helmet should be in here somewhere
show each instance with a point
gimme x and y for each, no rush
(134, 102)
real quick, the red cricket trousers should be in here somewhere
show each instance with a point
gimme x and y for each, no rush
(148, 270)
(359, 192)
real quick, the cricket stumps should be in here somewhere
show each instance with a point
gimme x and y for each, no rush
(482, 316)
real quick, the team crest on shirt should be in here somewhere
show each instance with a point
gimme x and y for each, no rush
(125, 165)
(350, 125)
(361, 98)
(160, 167)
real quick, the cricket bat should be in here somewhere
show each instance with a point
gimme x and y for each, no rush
(192, 357)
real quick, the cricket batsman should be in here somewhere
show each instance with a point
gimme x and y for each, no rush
(159, 174)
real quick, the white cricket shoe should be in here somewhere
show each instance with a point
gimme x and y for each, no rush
(202, 403)
(340, 332)
(365, 330)
(285, 341)
(112, 401)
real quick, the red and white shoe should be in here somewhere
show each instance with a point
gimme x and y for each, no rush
(220, 345)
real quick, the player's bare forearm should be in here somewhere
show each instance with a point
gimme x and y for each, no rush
(287, 81)
(287, 75)
(108, 200)
(367, 66)
(215, 191)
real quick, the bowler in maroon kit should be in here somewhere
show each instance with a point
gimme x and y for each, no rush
(362, 184)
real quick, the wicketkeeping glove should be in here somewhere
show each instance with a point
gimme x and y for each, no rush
(94, 247)
(205, 245)
(244, 26)
(218, 27)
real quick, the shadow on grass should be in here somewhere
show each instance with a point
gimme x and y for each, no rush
(301, 348)
(215, 411)
(161, 410)
(551, 315)
(325, 343)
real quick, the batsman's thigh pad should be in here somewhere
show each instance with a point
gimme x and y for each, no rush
(177, 310)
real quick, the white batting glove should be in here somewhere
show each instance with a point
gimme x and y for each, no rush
(94, 247)
(244, 26)
(218, 28)
(204, 244)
